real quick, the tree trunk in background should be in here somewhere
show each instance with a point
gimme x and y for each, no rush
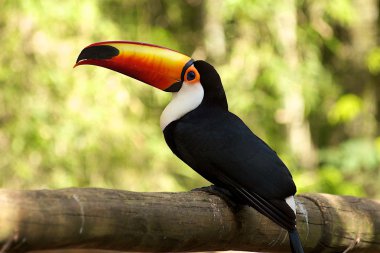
(293, 113)
(363, 38)
(214, 38)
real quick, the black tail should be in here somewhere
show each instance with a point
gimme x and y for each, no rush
(295, 242)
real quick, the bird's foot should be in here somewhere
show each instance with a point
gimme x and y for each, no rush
(221, 192)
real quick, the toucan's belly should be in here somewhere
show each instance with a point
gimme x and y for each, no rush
(221, 146)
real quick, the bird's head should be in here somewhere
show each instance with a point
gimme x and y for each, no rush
(157, 66)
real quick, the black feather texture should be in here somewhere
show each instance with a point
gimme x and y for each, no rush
(220, 147)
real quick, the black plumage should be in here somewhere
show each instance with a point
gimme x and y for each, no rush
(228, 154)
(220, 147)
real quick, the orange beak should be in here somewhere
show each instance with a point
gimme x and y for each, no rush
(157, 66)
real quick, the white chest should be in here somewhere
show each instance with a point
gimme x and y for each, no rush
(188, 98)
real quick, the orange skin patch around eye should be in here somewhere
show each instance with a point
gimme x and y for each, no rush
(197, 76)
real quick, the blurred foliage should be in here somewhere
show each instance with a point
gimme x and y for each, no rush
(65, 127)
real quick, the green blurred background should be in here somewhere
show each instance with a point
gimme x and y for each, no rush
(303, 74)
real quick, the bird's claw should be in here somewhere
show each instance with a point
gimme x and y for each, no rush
(221, 192)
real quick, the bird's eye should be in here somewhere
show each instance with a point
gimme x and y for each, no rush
(190, 75)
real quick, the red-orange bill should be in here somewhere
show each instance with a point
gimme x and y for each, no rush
(157, 66)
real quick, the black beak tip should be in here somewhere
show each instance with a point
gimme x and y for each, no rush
(101, 52)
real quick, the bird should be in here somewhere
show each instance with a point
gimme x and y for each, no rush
(200, 130)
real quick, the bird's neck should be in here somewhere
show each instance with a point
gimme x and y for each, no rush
(188, 98)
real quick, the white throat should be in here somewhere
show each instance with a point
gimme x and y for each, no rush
(188, 98)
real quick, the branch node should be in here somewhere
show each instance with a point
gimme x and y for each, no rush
(352, 244)
(303, 211)
(11, 240)
(76, 198)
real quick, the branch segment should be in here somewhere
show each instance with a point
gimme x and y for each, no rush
(189, 221)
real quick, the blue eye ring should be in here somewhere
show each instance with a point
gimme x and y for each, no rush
(190, 75)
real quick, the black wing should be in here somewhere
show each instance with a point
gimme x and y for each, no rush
(220, 147)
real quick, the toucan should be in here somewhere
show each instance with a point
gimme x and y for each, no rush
(202, 132)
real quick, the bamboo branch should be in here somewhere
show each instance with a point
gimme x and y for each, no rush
(189, 221)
